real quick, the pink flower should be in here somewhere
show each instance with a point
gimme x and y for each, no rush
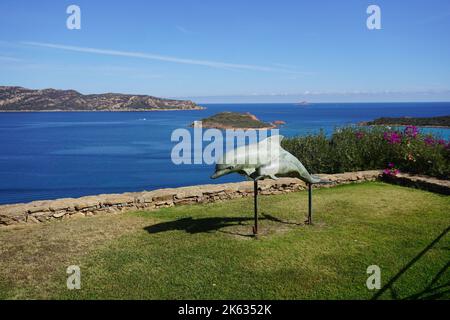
(391, 171)
(359, 135)
(429, 141)
(411, 131)
(392, 137)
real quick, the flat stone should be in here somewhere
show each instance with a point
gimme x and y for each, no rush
(13, 210)
(87, 202)
(212, 188)
(61, 204)
(59, 214)
(189, 192)
(115, 199)
(163, 195)
(185, 201)
(41, 213)
(144, 197)
(32, 219)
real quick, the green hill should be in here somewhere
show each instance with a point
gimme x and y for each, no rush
(235, 120)
(442, 121)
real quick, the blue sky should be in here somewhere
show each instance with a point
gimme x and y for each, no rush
(231, 51)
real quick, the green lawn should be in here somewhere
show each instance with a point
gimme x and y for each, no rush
(207, 252)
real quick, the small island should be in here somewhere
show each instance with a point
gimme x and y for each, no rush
(236, 120)
(18, 99)
(441, 121)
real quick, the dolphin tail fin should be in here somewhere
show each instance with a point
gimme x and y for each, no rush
(303, 174)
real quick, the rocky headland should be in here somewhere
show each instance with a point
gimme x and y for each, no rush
(236, 120)
(14, 99)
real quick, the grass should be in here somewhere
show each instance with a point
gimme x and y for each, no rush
(207, 252)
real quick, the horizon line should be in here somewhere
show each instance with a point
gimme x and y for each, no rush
(194, 98)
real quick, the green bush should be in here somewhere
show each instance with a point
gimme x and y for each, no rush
(368, 148)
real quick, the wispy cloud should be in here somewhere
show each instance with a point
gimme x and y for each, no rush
(150, 56)
(183, 30)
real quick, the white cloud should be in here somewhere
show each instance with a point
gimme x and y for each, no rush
(149, 56)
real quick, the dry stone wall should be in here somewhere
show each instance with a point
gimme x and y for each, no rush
(60, 209)
(67, 208)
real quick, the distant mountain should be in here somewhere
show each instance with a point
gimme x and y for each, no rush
(22, 99)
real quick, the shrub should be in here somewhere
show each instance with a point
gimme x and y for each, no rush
(368, 148)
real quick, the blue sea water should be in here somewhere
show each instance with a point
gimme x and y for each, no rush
(71, 154)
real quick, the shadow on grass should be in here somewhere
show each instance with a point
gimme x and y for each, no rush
(431, 291)
(199, 225)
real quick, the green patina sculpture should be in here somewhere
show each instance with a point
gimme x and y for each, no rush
(266, 159)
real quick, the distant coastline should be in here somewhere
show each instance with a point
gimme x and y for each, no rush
(19, 99)
(425, 122)
(401, 125)
(123, 110)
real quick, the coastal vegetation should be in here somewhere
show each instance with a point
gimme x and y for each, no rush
(207, 252)
(236, 120)
(22, 99)
(442, 121)
(370, 148)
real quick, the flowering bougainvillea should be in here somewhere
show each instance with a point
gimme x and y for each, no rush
(359, 135)
(411, 131)
(391, 170)
(393, 137)
(429, 141)
(368, 148)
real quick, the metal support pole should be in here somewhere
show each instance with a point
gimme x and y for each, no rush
(309, 203)
(255, 193)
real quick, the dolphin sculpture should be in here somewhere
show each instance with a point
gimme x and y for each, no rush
(265, 159)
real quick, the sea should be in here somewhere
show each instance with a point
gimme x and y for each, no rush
(50, 155)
